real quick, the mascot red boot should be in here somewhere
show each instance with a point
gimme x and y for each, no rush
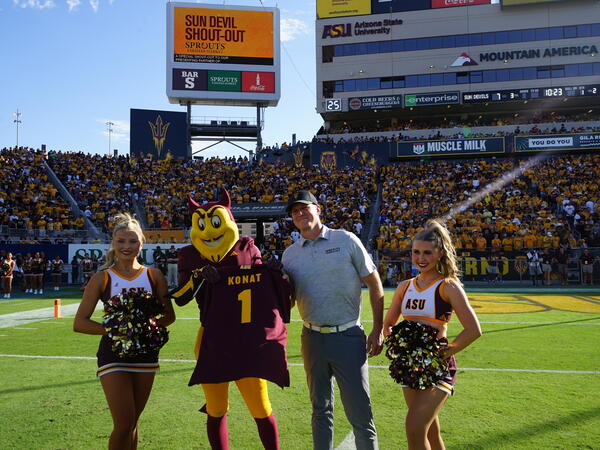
(243, 306)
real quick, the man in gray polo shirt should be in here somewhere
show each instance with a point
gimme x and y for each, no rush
(326, 268)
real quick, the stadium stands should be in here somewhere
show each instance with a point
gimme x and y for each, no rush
(551, 205)
(30, 207)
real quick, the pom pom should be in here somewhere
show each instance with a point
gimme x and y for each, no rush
(4, 269)
(130, 321)
(416, 355)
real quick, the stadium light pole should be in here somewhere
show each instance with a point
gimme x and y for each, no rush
(17, 121)
(109, 125)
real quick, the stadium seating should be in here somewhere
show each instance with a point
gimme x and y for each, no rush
(552, 204)
(30, 207)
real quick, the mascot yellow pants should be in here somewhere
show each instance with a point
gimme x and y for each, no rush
(254, 392)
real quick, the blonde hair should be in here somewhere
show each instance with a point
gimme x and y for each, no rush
(123, 221)
(436, 233)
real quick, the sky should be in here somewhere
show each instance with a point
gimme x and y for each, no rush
(71, 66)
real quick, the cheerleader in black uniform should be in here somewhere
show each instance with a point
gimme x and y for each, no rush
(56, 267)
(8, 267)
(38, 265)
(27, 273)
(126, 378)
(426, 303)
(87, 265)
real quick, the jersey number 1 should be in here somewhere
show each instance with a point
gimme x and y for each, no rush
(246, 298)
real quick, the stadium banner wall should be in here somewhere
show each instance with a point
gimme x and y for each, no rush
(451, 3)
(390, 6)
(99, 250)
(562, 142)
(406, 149)
(513, 264)
(164, 235)
(212, 48)
(329, 156)
(342, 8)
(258, 210)
(158, 133)
(50, 250)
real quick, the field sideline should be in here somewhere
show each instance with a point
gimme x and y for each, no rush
(530, 382)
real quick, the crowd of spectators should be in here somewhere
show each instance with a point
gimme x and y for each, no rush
(103, 186)
(28, 200)
(550, 204)
(344, 193)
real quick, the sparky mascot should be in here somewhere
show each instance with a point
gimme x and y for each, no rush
(243, 306)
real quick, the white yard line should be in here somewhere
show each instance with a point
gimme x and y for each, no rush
(573, 372)
(494, 323)
(348, 443)
(36, 315)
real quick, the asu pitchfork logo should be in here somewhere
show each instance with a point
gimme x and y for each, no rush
(159, 133)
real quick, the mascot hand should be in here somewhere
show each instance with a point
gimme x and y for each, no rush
(185, 292)
(208, 273)
(274, 264)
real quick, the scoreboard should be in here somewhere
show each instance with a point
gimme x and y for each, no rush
(531, 93)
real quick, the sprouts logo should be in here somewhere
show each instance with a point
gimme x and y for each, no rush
(419, 148)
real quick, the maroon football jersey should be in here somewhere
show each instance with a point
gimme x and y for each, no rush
(243, 315)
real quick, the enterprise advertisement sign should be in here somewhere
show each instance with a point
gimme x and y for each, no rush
(557, 142)
(438, 98)
(223, 55)
(407, 149)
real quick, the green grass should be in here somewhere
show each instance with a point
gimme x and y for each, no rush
(59, 404)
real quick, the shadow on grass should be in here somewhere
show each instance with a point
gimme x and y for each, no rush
(44, 387)
(537, 325)
(510, 438)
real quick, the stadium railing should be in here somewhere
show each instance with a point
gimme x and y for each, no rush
(17, 236)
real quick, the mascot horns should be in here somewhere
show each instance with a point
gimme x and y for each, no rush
(224, 201)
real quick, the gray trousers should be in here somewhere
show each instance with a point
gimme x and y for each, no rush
(343, 356)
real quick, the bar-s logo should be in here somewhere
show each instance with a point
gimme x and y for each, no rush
(336, 31)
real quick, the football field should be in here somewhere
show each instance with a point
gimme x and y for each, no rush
(531, 381)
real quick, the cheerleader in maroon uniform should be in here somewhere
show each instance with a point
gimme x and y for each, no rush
(126, 368)
(426, 303)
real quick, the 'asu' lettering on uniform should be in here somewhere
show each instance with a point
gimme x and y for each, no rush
(415, 304)
(243, 316)
(427, 303)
